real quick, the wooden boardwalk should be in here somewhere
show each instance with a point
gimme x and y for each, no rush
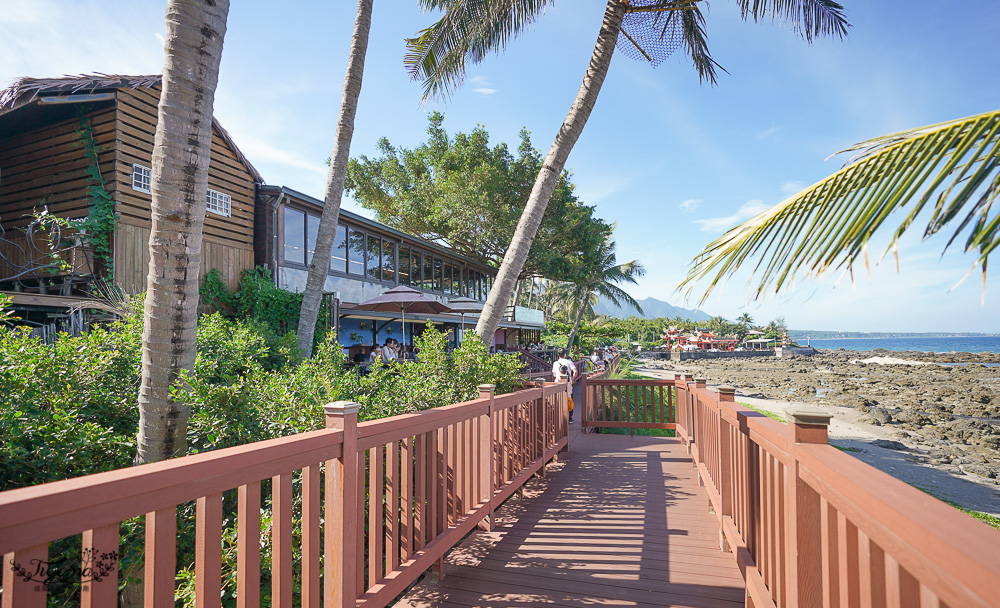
(620, 522)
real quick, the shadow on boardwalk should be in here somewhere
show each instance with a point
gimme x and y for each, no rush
(620, 522)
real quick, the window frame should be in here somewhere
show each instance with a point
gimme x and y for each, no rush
(145, 175)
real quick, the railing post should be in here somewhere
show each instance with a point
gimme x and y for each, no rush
(727, 394)
(541, 418)
(342, 543)
(564, 413)
(487, 450)
(584, 403)
(689, 404)
(803, 546)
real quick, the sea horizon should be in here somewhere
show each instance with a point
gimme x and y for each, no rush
(942, 344)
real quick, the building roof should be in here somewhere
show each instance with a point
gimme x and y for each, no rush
(25, 91)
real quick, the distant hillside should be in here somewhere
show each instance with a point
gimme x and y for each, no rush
(802, 334)
(652, 308)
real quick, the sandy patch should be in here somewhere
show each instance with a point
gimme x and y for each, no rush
(890, 361)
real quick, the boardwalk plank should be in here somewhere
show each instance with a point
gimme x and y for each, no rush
(620, 522)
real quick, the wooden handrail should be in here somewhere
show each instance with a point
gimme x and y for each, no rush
(812, 526)
(399, 493)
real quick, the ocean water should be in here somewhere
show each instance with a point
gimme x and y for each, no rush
(932, 345)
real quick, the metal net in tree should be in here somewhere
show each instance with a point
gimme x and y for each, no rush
(653, 29)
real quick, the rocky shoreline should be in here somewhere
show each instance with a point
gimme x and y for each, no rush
(940, 409)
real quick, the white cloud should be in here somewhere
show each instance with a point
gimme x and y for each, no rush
(746, 211)
(690, 205)
(775, 129)
(484, 87)
(484, 91)
(260, 151)
(792, 187)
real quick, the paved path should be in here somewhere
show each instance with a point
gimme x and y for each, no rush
(620, 522)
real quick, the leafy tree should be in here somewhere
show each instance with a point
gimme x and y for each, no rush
(181, 151)
(464, 192)
(745, 321)
(471, 29)
(828, 225)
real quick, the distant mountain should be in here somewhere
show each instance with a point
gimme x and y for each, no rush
(802, 334)
(652, 308)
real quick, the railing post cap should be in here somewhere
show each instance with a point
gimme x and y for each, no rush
(341, 408)
(483, 388)
(726, 389)
(807, 414)
(700, 381)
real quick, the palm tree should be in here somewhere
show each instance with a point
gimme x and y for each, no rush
(828, 225)
(745, 321)
(601, 278)
(181, 150)
(472, 29)
(319, 265)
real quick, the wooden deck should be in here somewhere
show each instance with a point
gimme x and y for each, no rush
(620, 522)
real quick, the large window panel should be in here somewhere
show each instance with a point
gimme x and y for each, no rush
(428, 282)
(388, 261)
(338, 255)
(404, 265)
(312, 230)
(438, 274)
(356, 252)
(374, 258)
(294, 235)
(447, 278)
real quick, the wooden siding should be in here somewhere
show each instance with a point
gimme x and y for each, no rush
(135, 129)
(132, 258)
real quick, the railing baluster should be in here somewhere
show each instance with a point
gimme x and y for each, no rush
(420, 493)
(310, 537)
(376, 487)
(208, 551)
(97, 544)
(392, 506)
(281, 541)
(247, 546)
(364, 482)
(161, 557)
(18, 592)
(406, 498)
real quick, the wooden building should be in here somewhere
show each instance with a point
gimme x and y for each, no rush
(80, 146)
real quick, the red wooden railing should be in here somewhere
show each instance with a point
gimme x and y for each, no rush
(399, 492)
(812, 526)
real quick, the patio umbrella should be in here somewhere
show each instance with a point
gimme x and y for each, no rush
(463, 306)
(403, 298)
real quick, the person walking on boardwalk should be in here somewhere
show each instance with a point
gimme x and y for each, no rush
(563, 368)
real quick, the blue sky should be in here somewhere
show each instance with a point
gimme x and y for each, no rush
(671, 161)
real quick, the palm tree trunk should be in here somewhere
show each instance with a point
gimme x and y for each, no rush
(181, 152)
(319, 266)
(545, 183)
(576, 327)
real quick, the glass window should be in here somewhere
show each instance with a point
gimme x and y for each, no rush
(312, 229)
(404, 265)
(388, 261)
(338, 255)
(428, 282)
(374, 257)
(438, 274)
(142, 179)
(216, 202)
(294, 236)
(447, 278)
(479, 286)
(356, 252)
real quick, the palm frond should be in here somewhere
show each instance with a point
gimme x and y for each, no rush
(809, 18)
(696, 42)
(468, 31)
(827, 226)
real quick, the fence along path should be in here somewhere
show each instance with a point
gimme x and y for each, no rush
(395, 494)
(812, 526)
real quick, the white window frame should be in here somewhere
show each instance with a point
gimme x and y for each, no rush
(219, 203)
(145, 175)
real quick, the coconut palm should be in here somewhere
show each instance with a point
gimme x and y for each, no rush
(745, 321)
(319, 265)
(181, 152)
(601, 278)
(472, 29)
(955, 166)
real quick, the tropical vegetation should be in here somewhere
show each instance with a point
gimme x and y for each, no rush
(470, 30)
(949, 172)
